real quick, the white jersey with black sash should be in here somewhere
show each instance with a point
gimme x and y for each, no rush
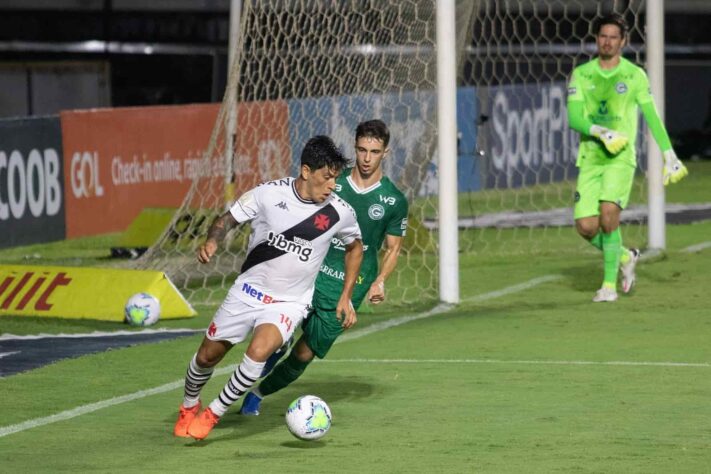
(289, 240)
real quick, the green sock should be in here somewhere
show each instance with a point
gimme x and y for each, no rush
(597, 241)
(624, 252)
(611, 247)
(283, 374)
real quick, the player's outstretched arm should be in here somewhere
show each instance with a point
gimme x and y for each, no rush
(393, 244)
(215, 234)
(344, 309)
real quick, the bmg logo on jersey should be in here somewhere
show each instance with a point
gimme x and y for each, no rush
(297, 246)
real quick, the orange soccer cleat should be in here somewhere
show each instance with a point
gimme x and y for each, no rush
(203, 424)
(185, 417)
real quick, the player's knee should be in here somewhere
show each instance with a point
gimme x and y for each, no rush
(211, 353)
(609, 226)
(206, 360)
(587, 229)
(303, 352)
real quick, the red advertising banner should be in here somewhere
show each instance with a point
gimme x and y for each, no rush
(119, 161)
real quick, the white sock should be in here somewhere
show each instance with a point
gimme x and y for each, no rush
(241, 380)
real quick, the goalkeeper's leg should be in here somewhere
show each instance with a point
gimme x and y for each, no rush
(626, 254)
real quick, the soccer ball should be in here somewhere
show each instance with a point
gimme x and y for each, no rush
(142, 309)
(308, 417)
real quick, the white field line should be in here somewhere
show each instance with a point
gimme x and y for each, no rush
(443, 308)
(697, 247)
(512, 289)
(92, 407)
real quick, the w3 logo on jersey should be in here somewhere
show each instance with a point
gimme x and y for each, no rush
(387, 199)
(298, 246)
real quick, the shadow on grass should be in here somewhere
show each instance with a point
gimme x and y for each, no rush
(586, 277)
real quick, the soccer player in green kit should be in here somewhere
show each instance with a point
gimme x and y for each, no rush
(381, 211)
(603, 100)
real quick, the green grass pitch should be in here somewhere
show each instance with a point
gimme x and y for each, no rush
(526, 375)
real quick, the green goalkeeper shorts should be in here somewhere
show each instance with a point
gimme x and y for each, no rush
(321, 329)
(611, 182)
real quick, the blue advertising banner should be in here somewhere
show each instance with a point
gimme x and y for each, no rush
(31, 181)
(528, 137)
(411, 117)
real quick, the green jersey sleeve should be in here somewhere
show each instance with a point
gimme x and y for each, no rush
(643, 94)
(397, 225)
(659, 132)
(575, 91)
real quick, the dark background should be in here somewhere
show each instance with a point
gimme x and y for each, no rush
(175, 52)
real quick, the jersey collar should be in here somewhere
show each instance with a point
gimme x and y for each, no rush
(357, 190)
(607, 72)
(296, 193)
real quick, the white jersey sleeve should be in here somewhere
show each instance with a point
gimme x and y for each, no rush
(350, 231)
(246, 207)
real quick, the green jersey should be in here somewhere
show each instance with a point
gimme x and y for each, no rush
(611, 99)
(380, 209)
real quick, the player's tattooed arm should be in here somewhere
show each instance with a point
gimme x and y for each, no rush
(216, 234)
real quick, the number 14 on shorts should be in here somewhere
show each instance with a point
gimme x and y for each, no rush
(286, 321)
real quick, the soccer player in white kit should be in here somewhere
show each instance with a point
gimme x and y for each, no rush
(293, 221)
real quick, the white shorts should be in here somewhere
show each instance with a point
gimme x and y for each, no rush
(235, 319)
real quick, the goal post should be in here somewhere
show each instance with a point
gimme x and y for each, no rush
(655, 70)
(447, 151)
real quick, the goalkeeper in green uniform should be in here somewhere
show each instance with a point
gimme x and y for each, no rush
(381, 211)
(603, 100)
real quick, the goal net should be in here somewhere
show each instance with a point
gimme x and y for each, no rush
(304, 68)
(309, 67)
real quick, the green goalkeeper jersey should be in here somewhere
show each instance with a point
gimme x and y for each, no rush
(380, 209)
(611, 99)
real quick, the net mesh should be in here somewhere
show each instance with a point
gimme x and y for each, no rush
(305, 68)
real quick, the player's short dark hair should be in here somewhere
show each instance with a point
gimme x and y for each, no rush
(373, 129)
(612, 19)
(320, 151)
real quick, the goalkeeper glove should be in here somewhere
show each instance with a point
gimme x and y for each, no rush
(674, 169)
(614, 141)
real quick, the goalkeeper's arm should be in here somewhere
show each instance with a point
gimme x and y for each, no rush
(614, 141)
(674, 169)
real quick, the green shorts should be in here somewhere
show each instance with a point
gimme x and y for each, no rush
(321, 329)
(610, 182)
